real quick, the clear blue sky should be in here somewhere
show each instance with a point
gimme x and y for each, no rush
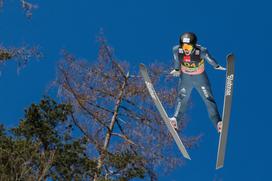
(145, 31)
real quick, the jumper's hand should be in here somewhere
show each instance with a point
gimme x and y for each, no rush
(175, 73)
(219, 126)
(219, 67)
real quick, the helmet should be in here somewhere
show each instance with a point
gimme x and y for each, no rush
(188, 38)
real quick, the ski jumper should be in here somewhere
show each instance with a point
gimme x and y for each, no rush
(193, 75)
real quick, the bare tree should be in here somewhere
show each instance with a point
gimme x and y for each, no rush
(21, 55)
(114, 110)
(27, 6)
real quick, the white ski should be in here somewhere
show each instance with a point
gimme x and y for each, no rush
(226, 111)
(162, 111)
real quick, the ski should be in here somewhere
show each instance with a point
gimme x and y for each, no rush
(162, 111)
(226, 111)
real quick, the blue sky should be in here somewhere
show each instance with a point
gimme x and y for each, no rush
(145, 31)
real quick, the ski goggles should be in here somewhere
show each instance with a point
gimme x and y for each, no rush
(186, 46)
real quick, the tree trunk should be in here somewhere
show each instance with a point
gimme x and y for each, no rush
(110, 130)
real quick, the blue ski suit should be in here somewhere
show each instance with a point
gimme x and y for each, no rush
(193, 75)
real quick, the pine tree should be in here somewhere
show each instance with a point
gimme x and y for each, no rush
(42, 146)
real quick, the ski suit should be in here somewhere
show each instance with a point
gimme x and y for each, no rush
(193, 75)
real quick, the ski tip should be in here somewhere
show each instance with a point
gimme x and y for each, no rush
(218, 167)
(141, 65)
(230, 56)
(186, 155)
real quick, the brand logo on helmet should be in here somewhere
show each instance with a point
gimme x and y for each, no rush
(186, 40)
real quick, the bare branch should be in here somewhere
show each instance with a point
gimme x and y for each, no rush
(80, 102)
(124, 137)
(21, 55)
(28, 8)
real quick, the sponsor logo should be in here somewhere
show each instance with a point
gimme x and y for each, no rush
(205, 91)
(193, 64)
(151, 89)
(180, 50)
(229, 84)
(187, 59)
(183, 90)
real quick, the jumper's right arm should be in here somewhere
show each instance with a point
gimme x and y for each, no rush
(176, 71)
(176, 60)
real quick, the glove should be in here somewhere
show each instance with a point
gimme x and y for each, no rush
(175, 73)
(219, 67)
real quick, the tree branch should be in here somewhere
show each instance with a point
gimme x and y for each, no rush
(124, 137)
(79, 102)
